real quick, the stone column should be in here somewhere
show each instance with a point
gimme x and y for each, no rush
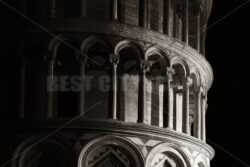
(197, 31)
(197, 115)
(114, 61)
(185, 16)
(178, 108)
(203, 121)
(142, 93)
(83, 8)
(114, 9)
(170, 99)
(50, 90)
(186, 126)
(83, 62)
(144, 13)
(52, 8)
(166, 16)
(202, 39)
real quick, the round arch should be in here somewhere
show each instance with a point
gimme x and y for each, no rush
(88, 42)
(97, 67)
(157, 51)
(93, 41)
(54, 45)
(34, 151)
(196, 79)
(127, 43)
(112, 141)
(200, 161)
(170, 149)
(181, 62)
(195, 73)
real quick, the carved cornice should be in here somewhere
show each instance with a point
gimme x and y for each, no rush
(118, 128)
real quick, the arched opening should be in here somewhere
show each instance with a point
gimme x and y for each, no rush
(110, 155)
(166, 159)
(128, 70)
(178, 89)
(156, 13)
(193, 102)
(48, 153)
(155, 90)
(97, 81)
(67, 82)
(129, 12)
(110, 151)
(167, 155)
(33, 76)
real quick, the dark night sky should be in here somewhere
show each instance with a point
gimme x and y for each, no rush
(227, 49)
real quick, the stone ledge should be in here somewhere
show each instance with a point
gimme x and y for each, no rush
(113, 127)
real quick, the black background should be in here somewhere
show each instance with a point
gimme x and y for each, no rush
(227, 50)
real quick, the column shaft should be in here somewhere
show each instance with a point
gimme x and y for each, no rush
(83, 8)
(186, 126)
(178, 113)
(82, 90)
(114, 9)
(202, 40)
(197, 116)
(204, 106)
(198, 33)
(185, 17)
(141, 109)
(170, 104)
(50, 90)
(114, 91)
(143, 20)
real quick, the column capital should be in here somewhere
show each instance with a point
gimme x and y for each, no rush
(200, 90)
(83, 57)
(169, 73)
(204, 95)
(188, 81)
(114, 58)
(145, 66)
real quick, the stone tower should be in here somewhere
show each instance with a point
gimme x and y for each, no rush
(106, 83)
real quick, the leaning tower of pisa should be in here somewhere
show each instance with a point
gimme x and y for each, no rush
(108, 83)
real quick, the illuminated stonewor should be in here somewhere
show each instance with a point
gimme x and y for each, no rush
(128, 78)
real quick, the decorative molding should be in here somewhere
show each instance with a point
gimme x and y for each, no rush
(111, 140)
(145, 145)
(128, 129)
